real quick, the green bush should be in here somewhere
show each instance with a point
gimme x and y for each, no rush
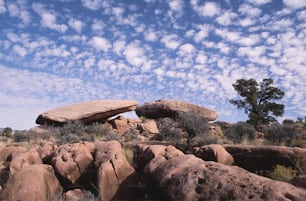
(281, 134)
(282, 173)
(169, 130)
(21, 136)
(240, 131)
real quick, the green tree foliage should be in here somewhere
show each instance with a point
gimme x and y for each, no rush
(258, 100)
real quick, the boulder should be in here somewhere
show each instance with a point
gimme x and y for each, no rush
(46, 151)
(213, 152)
(72, 160)
(299, 181)
(171, 108)
(113, 169)
(86, 112)
(120, 124)
(176, 176)
(35, 182)
(263, 157)
(24, 159)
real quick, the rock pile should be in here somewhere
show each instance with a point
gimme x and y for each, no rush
(153, 171)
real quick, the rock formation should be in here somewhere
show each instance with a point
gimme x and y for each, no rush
(72, 160)
(171, 108)
(86, 112)
(185, 177)
(35, 182)
(213, 152)
(113, 169)
(254, 158)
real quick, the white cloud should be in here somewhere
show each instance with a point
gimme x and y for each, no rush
(150, 36)
(203, 33)
(48, 19)
(134, 54)
(92, 4)
(208, 9)
(247, 22)
(18, 10)
(2, 6)
(187, 48)
(259, 2)
(249, 40)
(100, 43)
(176, 5)
(119, 46)
(249, 10)
(226, 18)
(171, 41)
(295, 4)
(302, 15)
(77, 25)
(89, 62)
(97, 25)
(20, 50)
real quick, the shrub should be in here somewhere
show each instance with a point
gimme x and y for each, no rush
(282, 173)
(7, 132)
(240, 131)
(168, 129)
(21, 136)
(193, 123)
(279, 134)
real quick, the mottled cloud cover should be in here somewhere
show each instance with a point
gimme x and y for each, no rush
(64, 51)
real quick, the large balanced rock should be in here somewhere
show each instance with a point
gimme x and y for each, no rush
(113, 169)
(254, 158)
(171, 108)
(35, 182)
(186, 177)
(86, 112)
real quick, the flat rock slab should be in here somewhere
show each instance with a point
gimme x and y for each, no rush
(86, 112)
(171, 108)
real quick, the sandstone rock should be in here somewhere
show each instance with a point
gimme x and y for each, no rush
(46, 150)
(86, 112)
(35, 182)
(186, 177)
(24, 159)
(265, 157)
(170, 108)
(72, 160)
(113, 169)
(149, 126)
(120, 124)
(299, 181)
(213, 152)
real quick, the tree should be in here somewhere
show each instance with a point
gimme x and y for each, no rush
(258, 100)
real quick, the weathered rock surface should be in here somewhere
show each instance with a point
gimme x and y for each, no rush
(186, 177)
(113, 169)
(72, 160)
(35, 182)
(299, 181)
(87, 112)
(255, 158)
(23, 160)
(171, 108)
(213, 152)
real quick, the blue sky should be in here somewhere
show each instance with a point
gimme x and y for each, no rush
(58, 52)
